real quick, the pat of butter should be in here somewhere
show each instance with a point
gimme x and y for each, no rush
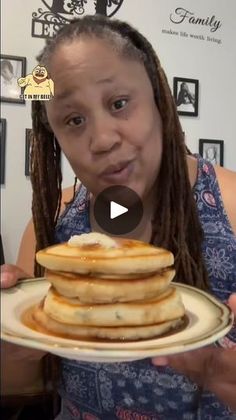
(92, 238)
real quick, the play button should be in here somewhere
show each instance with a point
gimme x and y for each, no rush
(118, 210)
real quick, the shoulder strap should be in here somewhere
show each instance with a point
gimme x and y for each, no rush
(208, 196)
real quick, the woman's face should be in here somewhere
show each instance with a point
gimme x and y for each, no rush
(6, 73)
(104, 117)
(211, 153)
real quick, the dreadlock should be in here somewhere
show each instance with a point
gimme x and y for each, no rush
(175, 222)
(46, 181)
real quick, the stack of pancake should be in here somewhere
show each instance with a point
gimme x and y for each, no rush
(106, 288)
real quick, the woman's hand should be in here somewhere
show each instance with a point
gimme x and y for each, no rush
(10, 274)
(212, 368)
(27, 359)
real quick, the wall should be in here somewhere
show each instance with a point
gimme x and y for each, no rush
(212, 63)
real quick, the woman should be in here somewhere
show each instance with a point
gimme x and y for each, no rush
(211, 154)
(9, 86)
(114, 118)
(185, 99)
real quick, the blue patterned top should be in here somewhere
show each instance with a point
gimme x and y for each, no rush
(138, 390)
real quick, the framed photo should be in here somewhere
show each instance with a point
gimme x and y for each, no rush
(186, 96)
(212, 150)
(28, 133)
(12, 67)
(3, 124)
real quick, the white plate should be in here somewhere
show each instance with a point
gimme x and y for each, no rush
(208, 320)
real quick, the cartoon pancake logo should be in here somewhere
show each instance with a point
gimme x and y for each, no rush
(37, 86)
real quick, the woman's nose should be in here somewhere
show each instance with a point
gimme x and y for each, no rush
(104, 134)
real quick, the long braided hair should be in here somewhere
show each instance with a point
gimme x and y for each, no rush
(175, 224)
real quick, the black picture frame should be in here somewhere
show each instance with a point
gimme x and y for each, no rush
(28, 136)
(186, 95)
(2, 257)
(12, 67)
(212, 151)
(3, 125)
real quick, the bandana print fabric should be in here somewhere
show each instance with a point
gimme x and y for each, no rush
(138, 390)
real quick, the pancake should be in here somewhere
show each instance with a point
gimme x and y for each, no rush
(165, 307)
(49, 325)
(99, 290)
(108, 288)
(125, 256)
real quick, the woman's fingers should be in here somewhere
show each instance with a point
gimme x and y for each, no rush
(194, 364)
(184, 362)
(10, 274)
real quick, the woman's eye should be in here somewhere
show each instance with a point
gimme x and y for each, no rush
(119, 104)
(76, 121)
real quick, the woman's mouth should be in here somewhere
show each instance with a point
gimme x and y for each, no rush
(118, 174)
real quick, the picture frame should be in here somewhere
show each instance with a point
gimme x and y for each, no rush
(28, 134)
(3, 125)
(12, 68)
(2, 257)
(212, 151)
(186, 95)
